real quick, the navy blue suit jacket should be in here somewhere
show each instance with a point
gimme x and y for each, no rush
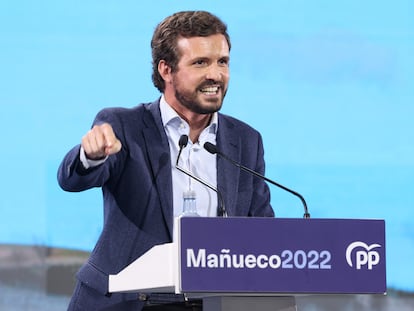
(137, 186)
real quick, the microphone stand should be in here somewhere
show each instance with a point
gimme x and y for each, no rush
(182, 144)
(213, 149)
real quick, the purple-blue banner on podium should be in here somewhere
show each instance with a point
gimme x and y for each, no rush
(271, 255)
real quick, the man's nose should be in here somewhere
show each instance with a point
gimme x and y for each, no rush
(216, 72)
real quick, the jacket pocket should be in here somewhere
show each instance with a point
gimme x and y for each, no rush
(92, 277)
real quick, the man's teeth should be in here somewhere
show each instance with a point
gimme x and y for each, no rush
(210, 90)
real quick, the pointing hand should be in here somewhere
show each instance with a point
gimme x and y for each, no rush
(100, 142)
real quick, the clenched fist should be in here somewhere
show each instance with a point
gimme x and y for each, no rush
(100, 142)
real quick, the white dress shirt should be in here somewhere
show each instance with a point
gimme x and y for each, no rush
(193, 158)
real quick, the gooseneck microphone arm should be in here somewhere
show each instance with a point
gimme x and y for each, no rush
(213, 150)
(182, 143)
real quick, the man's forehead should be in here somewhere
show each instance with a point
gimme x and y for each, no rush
(213, 43)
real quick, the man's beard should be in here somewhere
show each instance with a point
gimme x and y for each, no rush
(190, 101)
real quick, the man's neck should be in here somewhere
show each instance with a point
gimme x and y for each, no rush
(197, 122)
(198, 125)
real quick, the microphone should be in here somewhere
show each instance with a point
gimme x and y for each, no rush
(182, 143)
(213, 150)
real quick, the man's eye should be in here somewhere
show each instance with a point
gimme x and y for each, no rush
(224, 62)
(199, 62)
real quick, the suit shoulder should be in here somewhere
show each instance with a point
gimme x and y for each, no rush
(123, 114)
(121, 111)
(236, 124)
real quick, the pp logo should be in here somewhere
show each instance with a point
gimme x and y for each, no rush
(364, 255)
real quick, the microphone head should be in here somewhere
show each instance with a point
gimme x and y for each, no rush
(210, 148)
(183, 141)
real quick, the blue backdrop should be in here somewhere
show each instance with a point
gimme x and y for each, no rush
(328, 83)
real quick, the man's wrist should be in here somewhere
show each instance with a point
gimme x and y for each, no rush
(88, 163)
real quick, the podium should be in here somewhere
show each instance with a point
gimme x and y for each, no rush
(236, 263)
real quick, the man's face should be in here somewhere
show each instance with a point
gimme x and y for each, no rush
(201, 79)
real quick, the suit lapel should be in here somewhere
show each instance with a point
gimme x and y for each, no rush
(228, 142)
(159, 157)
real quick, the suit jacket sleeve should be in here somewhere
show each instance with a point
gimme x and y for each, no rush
(72, 176)
(136, 186)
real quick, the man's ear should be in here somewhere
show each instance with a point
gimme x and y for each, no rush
(164, 70)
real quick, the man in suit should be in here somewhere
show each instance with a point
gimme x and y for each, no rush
(131, 154)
